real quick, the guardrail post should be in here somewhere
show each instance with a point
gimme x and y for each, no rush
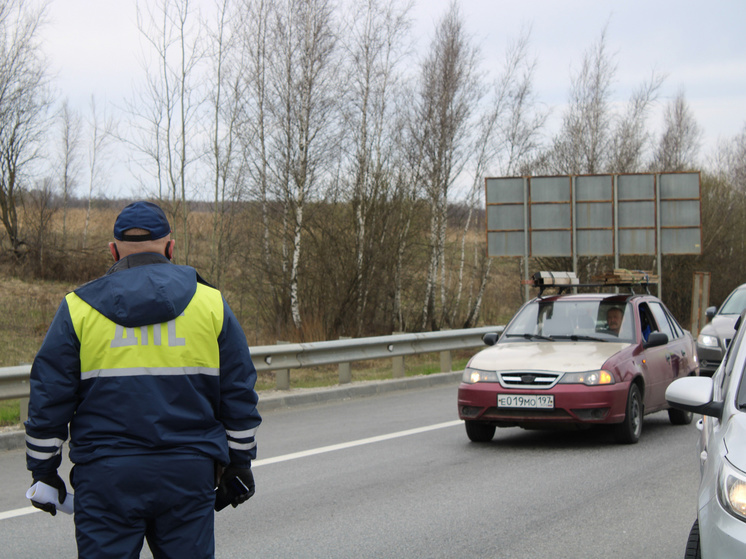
(23, 405)
(282, 376)
(345, 373)
(398, 365)
(345, 370)
(445, 362)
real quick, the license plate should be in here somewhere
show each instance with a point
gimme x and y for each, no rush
(533, 401)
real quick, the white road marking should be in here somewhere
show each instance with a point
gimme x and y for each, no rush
(351, 444)
(295, 455)
(18, 512)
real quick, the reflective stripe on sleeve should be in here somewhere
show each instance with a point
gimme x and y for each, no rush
(239, 446)
(42, 455)
(149, 371)
(241, 434)
(56, 442)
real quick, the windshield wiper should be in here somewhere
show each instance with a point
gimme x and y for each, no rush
(575, 338)
(531, 337)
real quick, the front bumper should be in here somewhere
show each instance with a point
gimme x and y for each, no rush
(709, 359)
(721, 535)
(573, 404)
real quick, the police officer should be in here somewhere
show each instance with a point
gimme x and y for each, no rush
(150, 369)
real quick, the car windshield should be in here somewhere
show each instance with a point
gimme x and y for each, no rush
(572, 320)
(735, 303)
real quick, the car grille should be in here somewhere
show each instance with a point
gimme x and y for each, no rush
(520, 413)
(518, 379)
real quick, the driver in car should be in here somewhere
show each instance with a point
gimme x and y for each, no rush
(614, 318)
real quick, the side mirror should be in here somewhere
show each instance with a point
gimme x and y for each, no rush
(710, 312)
(490, 338)
(656, 339)
(694, 394)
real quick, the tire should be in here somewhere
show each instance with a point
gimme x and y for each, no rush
(479, 432)
(679, 417)
(628, 431)
(692, 544)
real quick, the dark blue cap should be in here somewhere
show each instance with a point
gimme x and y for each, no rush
(141, 215)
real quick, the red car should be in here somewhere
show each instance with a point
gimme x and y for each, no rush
(577, 361)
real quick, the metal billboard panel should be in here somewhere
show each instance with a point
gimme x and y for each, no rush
(639, 214)
(505, 191)
(505, 218)
(595, 242)
(636, 187)
(551, 243)
(551, 216)
(637, 241)
(550, 189)
(680, 213)
(509, 243)
(594, 215)
(680, 240)
(680, 185)
(594, 188)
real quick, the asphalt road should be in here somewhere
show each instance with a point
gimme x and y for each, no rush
(394, 475)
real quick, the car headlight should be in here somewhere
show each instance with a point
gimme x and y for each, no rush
(732, 490)
(475, 375)
(589, 378)
(707, 341)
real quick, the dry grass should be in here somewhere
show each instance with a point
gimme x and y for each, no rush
(27, 311)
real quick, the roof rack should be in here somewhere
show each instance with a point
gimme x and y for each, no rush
(564, 281)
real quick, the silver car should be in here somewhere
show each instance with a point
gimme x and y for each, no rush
(720, 528)
(716, 335)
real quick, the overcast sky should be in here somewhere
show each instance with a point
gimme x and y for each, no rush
(700, 45)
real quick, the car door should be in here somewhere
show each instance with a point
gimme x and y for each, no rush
(657, 361)
(677, 344)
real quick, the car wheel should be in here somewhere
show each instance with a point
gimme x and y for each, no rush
(692, 544)
(628, 431)
(479, 432)
(680, 417)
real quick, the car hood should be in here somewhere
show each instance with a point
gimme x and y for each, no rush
(722, 326)
(546, 356)
(735, 436)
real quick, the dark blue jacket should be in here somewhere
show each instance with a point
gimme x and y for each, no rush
(148, 358)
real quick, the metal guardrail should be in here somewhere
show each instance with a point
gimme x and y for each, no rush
(282, 357)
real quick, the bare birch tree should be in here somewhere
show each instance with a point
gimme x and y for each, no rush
(448, 92)
(166, 111)
(679, 145)
(305, 113)
(374, 44)
(582, 144)
(25, 100)
(101, 132)
(69, 155)
(227, 92)
(509, 138)
(631, 135)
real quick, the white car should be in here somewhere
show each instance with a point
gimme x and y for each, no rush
(720, 529)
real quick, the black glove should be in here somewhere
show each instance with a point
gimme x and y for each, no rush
(236, 486)
(53, 480)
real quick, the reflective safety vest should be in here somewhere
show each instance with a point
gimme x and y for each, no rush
(186, 345)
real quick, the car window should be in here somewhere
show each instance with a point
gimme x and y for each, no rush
(647, 323)
(735, 303)
(661, 319)
(572, 320)
(677, 330)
